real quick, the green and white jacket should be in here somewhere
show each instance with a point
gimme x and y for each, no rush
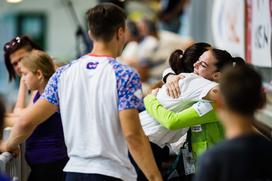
(201, 117)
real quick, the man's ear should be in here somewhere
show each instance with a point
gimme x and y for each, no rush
(89, 34)
(120, 33)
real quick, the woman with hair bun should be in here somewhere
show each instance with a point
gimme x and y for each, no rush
(194, 88)
(205, 130)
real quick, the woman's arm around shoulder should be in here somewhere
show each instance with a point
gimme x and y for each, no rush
(199, 113)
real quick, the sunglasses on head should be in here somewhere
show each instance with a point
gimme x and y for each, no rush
(15, 41)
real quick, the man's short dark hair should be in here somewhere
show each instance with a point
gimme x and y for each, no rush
(241, 88)
(104, 20)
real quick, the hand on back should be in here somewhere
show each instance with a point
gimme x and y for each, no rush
(172, 84)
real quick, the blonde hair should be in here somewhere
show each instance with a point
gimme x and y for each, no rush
(39, 60)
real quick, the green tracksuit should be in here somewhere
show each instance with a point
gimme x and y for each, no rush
(209, 130)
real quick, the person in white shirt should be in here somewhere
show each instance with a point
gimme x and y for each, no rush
(130, 52)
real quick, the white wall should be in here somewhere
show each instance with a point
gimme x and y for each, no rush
(60, 25)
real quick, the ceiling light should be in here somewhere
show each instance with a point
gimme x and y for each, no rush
(13, 1)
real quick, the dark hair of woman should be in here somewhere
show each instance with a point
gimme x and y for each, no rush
(224, 59)
(181, 61)
(12, 46)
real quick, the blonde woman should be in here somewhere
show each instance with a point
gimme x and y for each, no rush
(45, 149)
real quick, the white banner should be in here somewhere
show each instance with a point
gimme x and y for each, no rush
(261, 33)
(228, 25)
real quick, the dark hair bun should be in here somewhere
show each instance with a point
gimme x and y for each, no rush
(175, 61)
(238, 61)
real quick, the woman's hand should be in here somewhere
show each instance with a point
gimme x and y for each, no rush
(172, 84)
(4, 148)
(155, 91)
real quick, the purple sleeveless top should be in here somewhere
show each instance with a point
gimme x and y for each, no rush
(46, 144)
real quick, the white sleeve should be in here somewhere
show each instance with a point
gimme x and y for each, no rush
(166, 72)
(195, 87)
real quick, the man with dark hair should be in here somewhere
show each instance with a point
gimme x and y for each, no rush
(99, 100)
(245, 155)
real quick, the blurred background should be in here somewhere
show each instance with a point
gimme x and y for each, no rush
(242, 27)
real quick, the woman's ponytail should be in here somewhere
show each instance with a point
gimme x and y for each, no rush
(238, 61)
(175, 61)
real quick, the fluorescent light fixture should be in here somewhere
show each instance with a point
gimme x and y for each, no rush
(14, 1)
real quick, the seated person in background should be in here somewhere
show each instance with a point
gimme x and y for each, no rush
(170, 12)
(147, 48)
(151, 50)
(246, 155)
(155, 48)
(130, 52)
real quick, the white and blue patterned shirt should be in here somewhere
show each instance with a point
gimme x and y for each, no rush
(90, 92)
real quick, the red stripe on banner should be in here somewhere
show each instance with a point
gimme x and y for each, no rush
(248, 30)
